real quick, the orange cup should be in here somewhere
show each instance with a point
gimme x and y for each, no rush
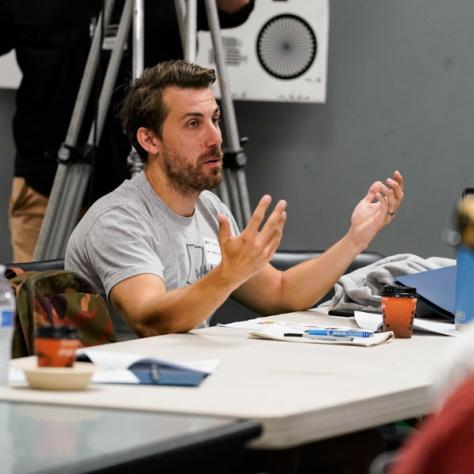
(56, 346)
(398, 309)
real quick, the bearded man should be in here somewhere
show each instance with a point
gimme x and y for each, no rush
(167, 252)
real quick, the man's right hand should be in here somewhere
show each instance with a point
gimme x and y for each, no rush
(246, 254)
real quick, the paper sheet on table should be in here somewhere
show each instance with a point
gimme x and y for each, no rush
(372, 322)
(121, 368)
(121, 361)
(258, 324)
(265, 328)
(276, 333)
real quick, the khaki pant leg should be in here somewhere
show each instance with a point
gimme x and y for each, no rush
(26, 213)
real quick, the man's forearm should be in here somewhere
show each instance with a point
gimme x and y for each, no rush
(305, 284)
(184, 308)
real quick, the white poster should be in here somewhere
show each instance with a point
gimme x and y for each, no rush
(10, 75)
(278, 54)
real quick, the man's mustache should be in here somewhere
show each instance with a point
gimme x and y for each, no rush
(213, 153)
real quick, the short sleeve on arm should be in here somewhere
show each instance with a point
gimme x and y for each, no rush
(121, 244)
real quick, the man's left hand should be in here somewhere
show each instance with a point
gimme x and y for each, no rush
(376, 210)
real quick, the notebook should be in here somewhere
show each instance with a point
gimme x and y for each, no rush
(138, 369)
(436, 291)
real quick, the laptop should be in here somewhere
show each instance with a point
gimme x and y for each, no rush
(436, 291)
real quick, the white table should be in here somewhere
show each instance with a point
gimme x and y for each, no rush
(299, 392)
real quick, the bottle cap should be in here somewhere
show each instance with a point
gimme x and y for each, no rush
(399, 291)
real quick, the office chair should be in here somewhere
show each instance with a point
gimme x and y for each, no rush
(232, 311)
(43, 265)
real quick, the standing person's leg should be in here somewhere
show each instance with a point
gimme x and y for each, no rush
(26, 213)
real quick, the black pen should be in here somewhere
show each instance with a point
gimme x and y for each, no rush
(320, 338)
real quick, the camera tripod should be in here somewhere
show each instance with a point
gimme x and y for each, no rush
(75, 162)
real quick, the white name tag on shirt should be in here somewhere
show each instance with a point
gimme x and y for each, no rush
(212, 251)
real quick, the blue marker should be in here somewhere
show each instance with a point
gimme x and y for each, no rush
(339, 333)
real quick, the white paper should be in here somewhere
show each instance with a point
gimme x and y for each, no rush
(369, 321)
(265, 328)
(16, 376)
(120, 361)
(438, 327)
(374, 321)
(212, 251)
(115, 376)
(278, 334)
(264, 323)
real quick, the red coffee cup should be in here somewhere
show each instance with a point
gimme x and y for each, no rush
(398, 309)
(56, 346)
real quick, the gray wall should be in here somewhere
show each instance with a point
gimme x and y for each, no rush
(400, 95)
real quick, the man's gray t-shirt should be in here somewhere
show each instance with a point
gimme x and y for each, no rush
(131, 231)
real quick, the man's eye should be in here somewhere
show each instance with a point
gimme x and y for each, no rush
(216, 120)
(193, 124)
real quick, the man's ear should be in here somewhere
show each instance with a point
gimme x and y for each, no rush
(149, 141)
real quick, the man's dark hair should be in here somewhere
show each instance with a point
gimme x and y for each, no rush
(143, 106)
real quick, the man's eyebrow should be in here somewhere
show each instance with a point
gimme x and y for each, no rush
(198, 114)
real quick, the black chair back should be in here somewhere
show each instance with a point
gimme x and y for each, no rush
(41, 265)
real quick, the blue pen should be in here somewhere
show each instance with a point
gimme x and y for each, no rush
(339, 333)
(329, 338)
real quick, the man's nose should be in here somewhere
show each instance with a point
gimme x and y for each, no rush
(213, 135)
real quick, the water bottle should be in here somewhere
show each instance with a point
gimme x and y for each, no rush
(465, 263)
(7, 324)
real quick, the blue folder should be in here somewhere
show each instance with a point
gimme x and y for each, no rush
(153, 371)
(436, 291)
(149, 372)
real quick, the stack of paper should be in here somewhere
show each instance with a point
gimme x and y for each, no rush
(264, 328)
(277, 332)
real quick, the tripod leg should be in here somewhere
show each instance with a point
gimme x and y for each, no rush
(186, 13)
(112, 70)
(234, 192)
(48, 230)
(191, 28)
(134, 162)
(72, 178)
(180, 8)
(239, 184)
(138, 51)
(87, 78)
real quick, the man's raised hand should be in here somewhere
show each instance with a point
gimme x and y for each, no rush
(246, 254)
(376, 209)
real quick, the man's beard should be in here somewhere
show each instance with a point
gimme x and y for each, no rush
(188, 178)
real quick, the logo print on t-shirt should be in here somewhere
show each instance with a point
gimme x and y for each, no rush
(197, 263)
